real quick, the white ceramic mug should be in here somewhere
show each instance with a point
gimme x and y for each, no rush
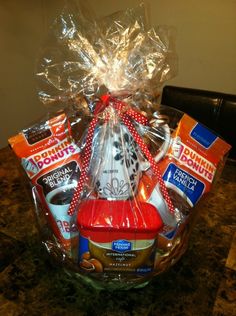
(159, 202)
(117, 162)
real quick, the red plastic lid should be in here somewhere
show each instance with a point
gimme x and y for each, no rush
(97, 219)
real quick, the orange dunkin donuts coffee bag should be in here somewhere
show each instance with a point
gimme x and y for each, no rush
(191, 163)
(51, 160)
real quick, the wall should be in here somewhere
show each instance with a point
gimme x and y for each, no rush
(206, 45)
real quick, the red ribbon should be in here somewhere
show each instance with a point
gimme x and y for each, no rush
(126, 115)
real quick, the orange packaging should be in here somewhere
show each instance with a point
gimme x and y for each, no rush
(190, 165)
(51, 160)
(188, 169)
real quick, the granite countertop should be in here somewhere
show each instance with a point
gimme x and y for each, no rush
(202, 283)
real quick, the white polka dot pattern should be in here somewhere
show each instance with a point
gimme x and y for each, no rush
(148, 155)
(86, 160)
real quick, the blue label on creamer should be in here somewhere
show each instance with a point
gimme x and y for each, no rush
(189, 185)
(83, 246)
(121, 245)
(203, 135)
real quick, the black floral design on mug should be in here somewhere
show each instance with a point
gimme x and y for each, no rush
(126, 150)
(117, 188)
(126, 153)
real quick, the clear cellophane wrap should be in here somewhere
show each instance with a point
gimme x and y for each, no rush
(109, 180)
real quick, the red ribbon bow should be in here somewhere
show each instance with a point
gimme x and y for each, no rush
(126, 115)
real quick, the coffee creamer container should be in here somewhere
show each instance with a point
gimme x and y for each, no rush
(117, 236)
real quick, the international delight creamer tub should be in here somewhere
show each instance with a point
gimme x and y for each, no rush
(118, 236)
(115, 178)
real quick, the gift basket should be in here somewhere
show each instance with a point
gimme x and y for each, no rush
(115, 177)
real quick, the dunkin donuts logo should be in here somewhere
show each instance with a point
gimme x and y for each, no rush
(35, 163)
(197, 163)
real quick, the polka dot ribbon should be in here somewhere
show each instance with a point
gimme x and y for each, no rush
(126, 117)
(85, 165)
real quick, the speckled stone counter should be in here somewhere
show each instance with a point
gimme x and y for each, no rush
(202, 283)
